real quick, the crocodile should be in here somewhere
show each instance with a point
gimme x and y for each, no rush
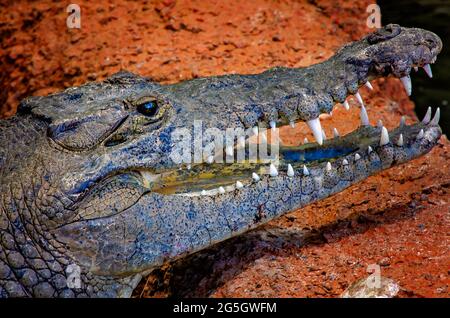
(92, 198)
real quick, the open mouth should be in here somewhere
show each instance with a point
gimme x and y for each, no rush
(363, 144)
(326, 155)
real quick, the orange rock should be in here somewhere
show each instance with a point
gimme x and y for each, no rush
(401, 214)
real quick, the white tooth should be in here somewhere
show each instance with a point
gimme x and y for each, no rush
(384, 140)
(305, 141)
(273, 170)
(328, 167)
(188, 167)
(436, 117)
(255, 130)
(364, 116)
(305, 171)
(379, 123)
(203, 192)
(314, 125)
(427, 69)
(346, 105)
(210, 159)
(359, 98)
(239, 185)
(331, 113)
(264, 138)
(292, 124)
(427, 117)
(406, 80)
(273, 124)
(420, 134)
(345, 162)
(369, 149)
(335, 133)
(221, 190)
(369, 85)
(400, 140)
(402, 121)
(290, 171)
(323, 135)
(357, 157)
(416, 68)
(255, 177)
(229, 150)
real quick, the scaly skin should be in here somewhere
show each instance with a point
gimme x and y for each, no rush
(86, 179)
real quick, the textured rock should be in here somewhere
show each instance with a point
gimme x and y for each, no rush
(369, 288)
(398, 219)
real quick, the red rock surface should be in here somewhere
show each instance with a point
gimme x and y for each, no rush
(399, 219)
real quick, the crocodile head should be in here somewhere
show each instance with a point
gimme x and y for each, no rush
(94, 177)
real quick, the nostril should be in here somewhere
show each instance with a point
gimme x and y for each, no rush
(388, 32)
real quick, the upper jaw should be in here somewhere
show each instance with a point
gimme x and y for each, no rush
(397, 56)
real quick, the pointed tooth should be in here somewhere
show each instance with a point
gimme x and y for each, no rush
(335, 133)
(346, 105)
(210, 159)
(369, 85)
(427, 117)
(400, 140)
(345, 162)
(239, 185)
(406, 80)
(420, 134)
(436, 117)
(229, 150)
(402, 121)
(324, 137)
(221, 190)
(379, 123)
(263, 138)
(255, 177)
(357, 157)
(359, 98)
(364, 116)
(384, 139)
(292, 124)
(305, 171)
(188, 167)
(427, 69)
(255, 130)
(290, 171)
(331, 113)
(203, 192)
(369, 149)
(416, 68)
(273, 124)
(305, 141)
(314, 125)
(273, 170)
(328, 167)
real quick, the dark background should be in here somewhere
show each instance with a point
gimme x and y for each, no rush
(433, 15)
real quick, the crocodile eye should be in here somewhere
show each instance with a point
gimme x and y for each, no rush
(148, 108)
